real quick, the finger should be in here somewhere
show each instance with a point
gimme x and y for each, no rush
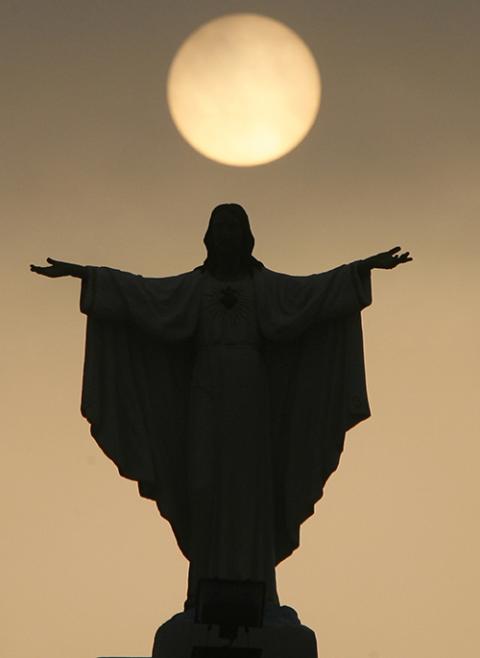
(51, 260)
(395, 249)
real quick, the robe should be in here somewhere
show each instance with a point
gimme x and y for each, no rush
(231, 417)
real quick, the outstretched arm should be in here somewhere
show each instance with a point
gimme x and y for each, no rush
(59, 268)
(384, 260)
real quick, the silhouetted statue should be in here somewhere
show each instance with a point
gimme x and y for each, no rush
(226, 392)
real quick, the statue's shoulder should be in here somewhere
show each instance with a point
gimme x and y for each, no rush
(182, 281)
(184, 277)
(266, 274)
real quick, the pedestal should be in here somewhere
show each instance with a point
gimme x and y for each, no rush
(281, 636)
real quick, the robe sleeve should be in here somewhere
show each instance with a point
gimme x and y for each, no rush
(156, 306)
(291, 304)
(137, 368)
(315, 363)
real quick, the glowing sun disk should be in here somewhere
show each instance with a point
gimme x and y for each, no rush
(243, 89)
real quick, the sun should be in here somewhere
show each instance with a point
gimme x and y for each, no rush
(243, 89)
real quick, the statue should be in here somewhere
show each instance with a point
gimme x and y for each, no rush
(226, 392)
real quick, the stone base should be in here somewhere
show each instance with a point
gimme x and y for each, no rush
(282, 636)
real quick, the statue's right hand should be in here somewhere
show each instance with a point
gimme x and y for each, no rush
(57, 268)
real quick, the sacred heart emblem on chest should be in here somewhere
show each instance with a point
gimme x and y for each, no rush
(229, 296)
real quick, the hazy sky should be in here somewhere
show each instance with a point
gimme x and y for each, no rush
(93, 171)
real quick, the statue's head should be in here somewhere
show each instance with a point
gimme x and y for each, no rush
(229, 238)
(229, 230)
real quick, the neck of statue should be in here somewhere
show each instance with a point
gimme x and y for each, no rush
(227, 269)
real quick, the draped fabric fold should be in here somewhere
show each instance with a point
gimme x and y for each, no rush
(139, 358)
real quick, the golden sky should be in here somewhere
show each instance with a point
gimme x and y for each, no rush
(93, 171)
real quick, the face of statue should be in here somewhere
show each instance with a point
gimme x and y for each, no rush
(228, 241)
(227, 235)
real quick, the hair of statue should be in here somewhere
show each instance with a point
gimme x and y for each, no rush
(230, 210)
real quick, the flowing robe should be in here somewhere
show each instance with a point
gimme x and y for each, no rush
(230, 418)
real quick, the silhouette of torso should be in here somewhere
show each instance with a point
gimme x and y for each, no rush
(230, 475)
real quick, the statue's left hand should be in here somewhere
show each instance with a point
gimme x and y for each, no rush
(387, 260)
